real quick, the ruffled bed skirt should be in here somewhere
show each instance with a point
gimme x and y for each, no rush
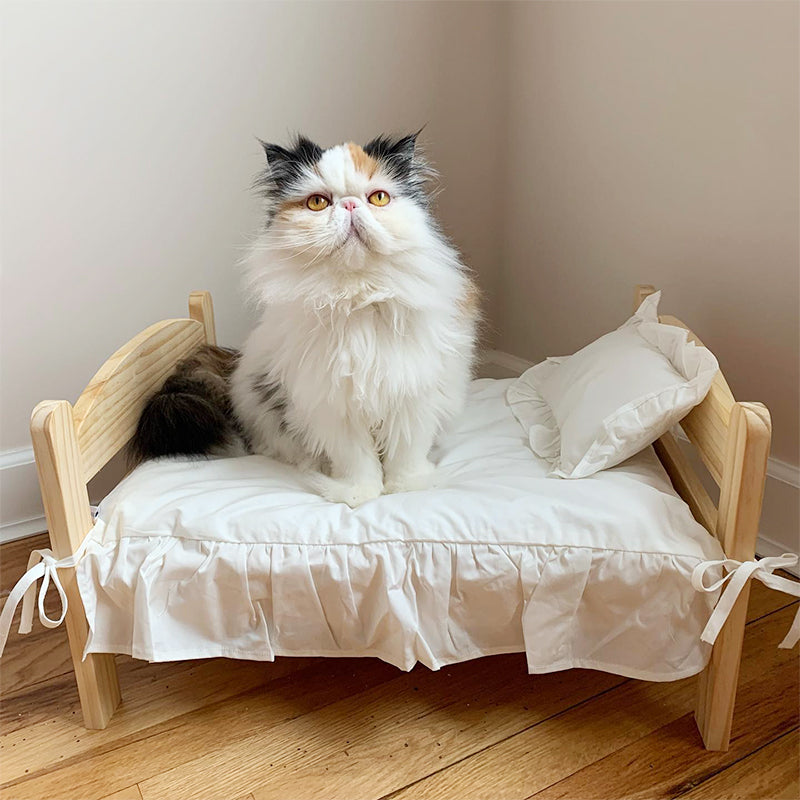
(436, 603)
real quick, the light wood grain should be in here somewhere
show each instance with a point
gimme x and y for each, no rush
(733, 442)
(187, 687)
(770, 772)
(551, 751)
(635, 773)
(686, 481)
(372, 743)
(129, 793)
(741, 495)
(152, 735)
(108, 409)
(201, 309)
(66, 506)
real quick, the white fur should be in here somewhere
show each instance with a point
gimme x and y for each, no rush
(366, 325)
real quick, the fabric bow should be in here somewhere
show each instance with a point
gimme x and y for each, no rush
(41, 564)
(739, 572)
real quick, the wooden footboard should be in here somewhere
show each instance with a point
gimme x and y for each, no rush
(733, 440)
(72, 444)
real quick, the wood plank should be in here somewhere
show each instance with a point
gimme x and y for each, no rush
(107, 411)
(129, 793)
(544, 754)
(646, 770)
(434, 739)
(741, 493)
(219, 713)
(773, 772)
(192, 685)
(686, 481)
(369, 744)
(14, 559)
(69, 518)
(201, 308)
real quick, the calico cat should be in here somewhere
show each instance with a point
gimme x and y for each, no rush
(368, 331)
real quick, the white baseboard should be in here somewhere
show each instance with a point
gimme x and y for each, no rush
(21, 512)
(11, 531)
(782, 494)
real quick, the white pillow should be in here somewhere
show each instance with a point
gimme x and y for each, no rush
(602, 405)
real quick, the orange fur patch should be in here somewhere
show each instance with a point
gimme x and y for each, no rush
(361, 161)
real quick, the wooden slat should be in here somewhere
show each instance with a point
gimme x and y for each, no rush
(741, 495)
(686, 482)
(108, 410)
(66, 506)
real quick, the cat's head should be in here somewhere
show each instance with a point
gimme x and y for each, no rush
(348, 201)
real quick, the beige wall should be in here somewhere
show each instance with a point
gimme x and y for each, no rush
(657, 143)
(584, 147)
(128, 148)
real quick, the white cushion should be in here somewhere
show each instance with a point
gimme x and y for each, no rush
(595, 409)
(239, 558)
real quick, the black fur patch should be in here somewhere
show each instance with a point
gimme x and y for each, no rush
(286, 166)
(191, 414)
(401, 160)
(397, 155)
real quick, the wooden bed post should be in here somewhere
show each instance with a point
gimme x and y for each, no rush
(201, 308)
(69, 519)
(741, 493)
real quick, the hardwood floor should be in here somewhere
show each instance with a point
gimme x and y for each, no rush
(358, 728)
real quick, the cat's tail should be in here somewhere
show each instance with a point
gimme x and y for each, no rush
(191, 414)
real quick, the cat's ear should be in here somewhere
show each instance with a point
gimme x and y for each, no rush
(397, 153)
(285, 165)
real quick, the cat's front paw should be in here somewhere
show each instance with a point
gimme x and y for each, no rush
(354, 494)
(422, 477)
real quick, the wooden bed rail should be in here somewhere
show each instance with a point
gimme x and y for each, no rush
(71, 445)
(733, 440)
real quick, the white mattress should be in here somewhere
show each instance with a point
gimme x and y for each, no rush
(237, 558)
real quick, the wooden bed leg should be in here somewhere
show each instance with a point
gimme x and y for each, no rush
(69, 519)
(741, 494)
(201, 308)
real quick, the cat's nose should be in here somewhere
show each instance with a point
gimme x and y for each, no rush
(349, 205)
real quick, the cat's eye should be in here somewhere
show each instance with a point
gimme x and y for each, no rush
(317, 202)
(379, 198)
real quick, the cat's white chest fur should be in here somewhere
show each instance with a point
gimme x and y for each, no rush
(377, 355)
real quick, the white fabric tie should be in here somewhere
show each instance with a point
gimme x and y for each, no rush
(739, 572)
(41, 564)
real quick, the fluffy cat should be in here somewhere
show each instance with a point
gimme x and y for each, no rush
(368, 330)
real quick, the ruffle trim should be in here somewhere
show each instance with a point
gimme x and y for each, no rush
(434, 603)
(627, 431)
